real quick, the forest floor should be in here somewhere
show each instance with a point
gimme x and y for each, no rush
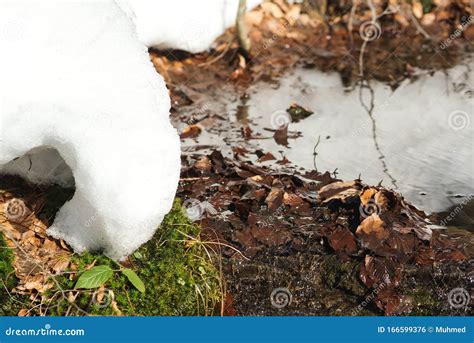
(285, 240)
(309, 243)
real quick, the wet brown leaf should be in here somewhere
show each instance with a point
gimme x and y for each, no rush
(342, 241)
(281, 136)
(292, 200)
(274, 198)
(191, 131)
(267, 157)
(331, 191)
(270, 236)
(425, 256)
(372, 225)
(203, 164)
(392, 303)
(367, 195)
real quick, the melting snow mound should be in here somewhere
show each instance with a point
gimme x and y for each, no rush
(189, 25)
(77, 88)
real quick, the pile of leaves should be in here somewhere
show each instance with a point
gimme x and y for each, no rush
(36, 254)
(314, 233)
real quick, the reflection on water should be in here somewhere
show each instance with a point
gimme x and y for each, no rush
(418, 139)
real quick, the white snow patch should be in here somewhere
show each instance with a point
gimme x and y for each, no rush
(77, 84)
(182, 24)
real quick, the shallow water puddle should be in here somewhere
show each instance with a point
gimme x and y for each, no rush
(423, 141)
(418, 138)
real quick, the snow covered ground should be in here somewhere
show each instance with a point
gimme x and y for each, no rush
(77, 83)
(182, 24)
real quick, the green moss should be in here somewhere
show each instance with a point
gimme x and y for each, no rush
(179, 276)
(342, 275)
(9, 304)
(427, 5)
(425, 302)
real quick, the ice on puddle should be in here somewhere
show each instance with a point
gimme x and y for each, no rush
(76, 84)
(189, 25)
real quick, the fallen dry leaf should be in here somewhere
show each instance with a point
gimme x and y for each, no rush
(342, 240)
(372, 225)
(281, 136)
(367, 195)
(267, 157)
(23, 312)
(191, 131)
(331, 191)
(274, 198)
